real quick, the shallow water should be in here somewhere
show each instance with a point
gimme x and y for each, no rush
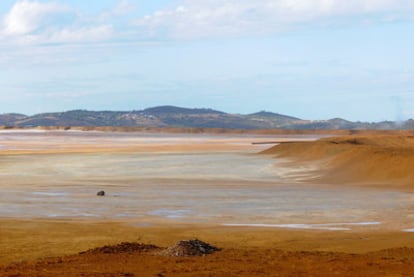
(325, 226)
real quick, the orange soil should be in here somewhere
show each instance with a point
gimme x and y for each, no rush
(229, 262)
(386, 161)
(246, 251)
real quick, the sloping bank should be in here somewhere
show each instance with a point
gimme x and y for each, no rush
(371, 160)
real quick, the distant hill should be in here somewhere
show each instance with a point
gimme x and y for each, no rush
(171, 116)
(11, 118)
(163, 110)
(264, 114)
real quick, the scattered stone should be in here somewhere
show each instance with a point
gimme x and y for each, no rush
(190, 248)
(101, 193)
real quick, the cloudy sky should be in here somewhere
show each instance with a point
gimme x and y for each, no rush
(314, 59)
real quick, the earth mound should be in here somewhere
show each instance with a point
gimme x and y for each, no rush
(185, 248)
(124, 247)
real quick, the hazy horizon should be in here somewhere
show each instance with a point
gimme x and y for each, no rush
(311, 59)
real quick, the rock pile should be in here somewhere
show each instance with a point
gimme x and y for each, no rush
(183, 248)
(189, 248)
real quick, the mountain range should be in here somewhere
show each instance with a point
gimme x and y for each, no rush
(171, 116)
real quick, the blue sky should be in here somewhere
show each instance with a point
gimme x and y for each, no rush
(314, 59)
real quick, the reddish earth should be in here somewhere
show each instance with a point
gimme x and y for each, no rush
(228, 262)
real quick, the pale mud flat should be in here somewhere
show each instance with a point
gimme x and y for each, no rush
(40, 141)
(152, 179)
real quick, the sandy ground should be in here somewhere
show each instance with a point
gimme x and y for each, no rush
(49, 247)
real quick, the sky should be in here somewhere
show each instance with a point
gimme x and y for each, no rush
(313, 59)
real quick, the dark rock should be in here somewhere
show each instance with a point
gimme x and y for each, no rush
(190, 248)
(101, 193)
(183, 248)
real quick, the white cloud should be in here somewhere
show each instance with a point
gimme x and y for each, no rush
(204, 18)
(33, 22)
(41, 22)
(26, 16)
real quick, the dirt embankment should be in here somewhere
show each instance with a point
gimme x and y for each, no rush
(379, 160)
